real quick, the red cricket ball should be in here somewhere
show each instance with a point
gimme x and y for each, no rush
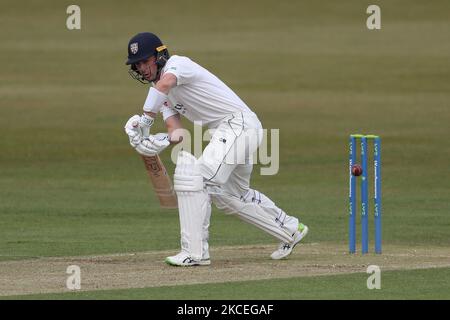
(356, 170)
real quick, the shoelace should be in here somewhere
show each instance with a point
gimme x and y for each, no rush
(187, 260)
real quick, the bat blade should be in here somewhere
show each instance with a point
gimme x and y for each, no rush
(161, 182)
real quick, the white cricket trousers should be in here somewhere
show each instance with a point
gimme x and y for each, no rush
(226, 166)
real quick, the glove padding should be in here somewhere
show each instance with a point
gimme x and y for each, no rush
(133, 131)
(153, 145)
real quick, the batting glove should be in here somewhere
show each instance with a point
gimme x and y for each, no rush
(153, 145)
(133, 131)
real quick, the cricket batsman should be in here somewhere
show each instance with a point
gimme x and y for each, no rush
(181, 87)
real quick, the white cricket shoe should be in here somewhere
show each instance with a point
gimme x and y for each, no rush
(183, 259)
(285, 249)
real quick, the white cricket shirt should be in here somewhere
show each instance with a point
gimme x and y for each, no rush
(199, 95)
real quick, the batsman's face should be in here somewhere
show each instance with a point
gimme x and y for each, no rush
(147, 68)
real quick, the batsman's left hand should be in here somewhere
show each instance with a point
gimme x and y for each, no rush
(154, 144)
(133, 131)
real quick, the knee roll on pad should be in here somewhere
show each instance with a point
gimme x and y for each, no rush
(187, 177)
(188, 183)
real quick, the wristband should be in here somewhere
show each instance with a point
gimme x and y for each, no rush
(155, 100)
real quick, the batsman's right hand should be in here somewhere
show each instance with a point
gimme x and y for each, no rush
(133, 131)
(154, 144)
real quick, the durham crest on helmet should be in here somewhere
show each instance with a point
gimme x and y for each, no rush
(134, 47)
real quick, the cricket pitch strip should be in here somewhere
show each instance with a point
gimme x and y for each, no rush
(231, 263)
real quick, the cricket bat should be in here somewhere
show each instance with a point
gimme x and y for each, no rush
(161, 182)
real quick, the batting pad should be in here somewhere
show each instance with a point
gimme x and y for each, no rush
(258, 210)
(193, 205)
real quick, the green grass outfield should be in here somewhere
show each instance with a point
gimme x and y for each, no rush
(411, 284)
(71, 185)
